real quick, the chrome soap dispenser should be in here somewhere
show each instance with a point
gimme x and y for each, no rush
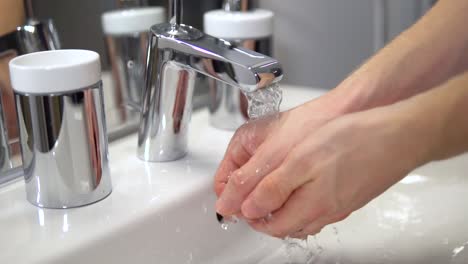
(243, 26)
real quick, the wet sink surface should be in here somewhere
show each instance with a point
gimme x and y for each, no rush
(164, 213)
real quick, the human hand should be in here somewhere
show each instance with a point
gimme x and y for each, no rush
(327, 174)
(259, 147)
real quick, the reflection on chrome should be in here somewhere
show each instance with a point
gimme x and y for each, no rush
(40, 215)
(64, 147)
(176, 54)
(65, 226)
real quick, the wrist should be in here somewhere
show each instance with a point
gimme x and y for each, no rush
(419, 131)
(352, 95)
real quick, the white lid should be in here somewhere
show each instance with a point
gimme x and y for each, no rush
(239, 25)
(55, 71)
(128, 21)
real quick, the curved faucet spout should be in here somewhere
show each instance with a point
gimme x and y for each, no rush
(175, 57)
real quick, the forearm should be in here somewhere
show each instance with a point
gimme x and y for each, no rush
(426, 55)
(448, 106)
(436, 121)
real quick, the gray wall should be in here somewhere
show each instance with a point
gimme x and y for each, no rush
(319, 42)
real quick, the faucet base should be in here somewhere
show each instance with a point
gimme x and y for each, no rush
(164, 127)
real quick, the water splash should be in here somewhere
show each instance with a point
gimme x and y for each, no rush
(300, 251)
(265, 101)
(308, 250)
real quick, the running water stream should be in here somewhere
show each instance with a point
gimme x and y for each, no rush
(261, 103)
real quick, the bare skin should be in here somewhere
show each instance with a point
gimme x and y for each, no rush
(321, 161)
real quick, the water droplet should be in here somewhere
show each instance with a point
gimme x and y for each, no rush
(226, 221)
(269, 217)
(335, 232)
(445, 241)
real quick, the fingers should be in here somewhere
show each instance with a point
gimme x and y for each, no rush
(309, 220)
(302, 208)
(242, 147)
(307, 211)
(236, 155)
(273, 191)
(243, 181)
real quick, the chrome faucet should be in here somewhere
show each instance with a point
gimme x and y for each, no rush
(176, 54)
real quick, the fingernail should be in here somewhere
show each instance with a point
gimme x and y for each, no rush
(219, 217)
(224, 206)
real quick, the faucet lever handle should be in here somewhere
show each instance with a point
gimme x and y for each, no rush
(176, 12)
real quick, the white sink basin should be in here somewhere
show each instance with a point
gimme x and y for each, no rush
(164, 213)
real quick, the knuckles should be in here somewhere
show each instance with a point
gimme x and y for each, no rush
(237, 179)
(272, 193)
